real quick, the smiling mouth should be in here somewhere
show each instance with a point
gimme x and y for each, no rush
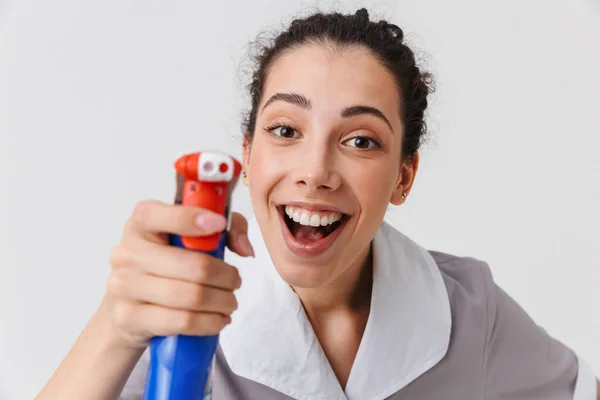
(311, 227)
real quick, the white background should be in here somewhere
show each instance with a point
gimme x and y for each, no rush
(98, 98)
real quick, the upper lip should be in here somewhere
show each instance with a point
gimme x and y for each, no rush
(314, 206)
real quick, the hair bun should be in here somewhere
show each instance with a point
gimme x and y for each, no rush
(363, 16)
(396, 32)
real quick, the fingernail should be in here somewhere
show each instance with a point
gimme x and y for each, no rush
(245, 244)
(227, 319)
(211, 222)
(238, 284)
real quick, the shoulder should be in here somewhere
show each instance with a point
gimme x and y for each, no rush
(518, 354)
(468, 280)
(468, 272)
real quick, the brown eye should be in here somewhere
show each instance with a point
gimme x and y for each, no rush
(363, 143)
(285, 132)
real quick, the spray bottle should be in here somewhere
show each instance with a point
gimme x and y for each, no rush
(181, 366)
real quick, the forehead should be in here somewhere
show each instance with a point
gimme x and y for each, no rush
(334, 78)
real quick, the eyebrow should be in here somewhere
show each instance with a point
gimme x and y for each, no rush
(301, 101)
(293, 98)
(358, 110)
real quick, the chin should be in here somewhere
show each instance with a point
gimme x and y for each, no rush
(305, 276)
(310, 243)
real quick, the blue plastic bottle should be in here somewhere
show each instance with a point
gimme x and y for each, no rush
(181, 366)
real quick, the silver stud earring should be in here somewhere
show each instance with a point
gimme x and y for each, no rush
(244, 174)
(403, 195)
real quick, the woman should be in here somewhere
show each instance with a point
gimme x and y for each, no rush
(335, 303)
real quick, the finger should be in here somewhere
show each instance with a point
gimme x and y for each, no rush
(171, 293)
(160, 321)
(152, 217)
(237, 237)
(180, 264)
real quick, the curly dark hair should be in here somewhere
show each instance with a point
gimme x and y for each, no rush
(383, 39)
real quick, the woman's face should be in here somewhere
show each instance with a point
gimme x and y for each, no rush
(325, 160)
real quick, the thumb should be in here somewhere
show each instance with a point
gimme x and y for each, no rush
(237, 237)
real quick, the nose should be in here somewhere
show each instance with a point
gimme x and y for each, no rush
(317, 170)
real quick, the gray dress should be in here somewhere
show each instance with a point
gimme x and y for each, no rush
(439, 328)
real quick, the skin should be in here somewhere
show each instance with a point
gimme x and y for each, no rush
(319, 160)
(153, 290)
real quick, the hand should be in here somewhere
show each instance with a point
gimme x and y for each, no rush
(155, 289)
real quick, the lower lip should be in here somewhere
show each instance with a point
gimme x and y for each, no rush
(308, 249)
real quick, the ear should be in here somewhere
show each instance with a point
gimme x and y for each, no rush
(246, 157)
(406, 178)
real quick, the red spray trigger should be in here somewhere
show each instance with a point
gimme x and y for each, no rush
(209, 179)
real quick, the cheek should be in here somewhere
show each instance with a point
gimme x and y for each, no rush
(266, 169)
(373, 183)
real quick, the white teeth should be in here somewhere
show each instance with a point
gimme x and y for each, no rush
(315, 220)
(306, 217)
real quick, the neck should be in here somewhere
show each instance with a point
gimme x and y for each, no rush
(350, 292)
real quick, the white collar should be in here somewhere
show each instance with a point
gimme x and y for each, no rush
(271, 341)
